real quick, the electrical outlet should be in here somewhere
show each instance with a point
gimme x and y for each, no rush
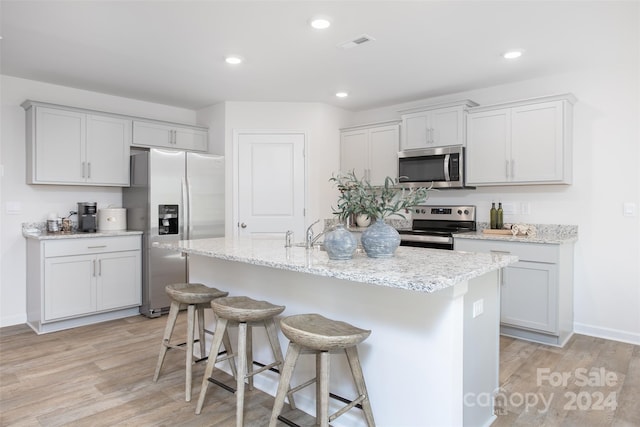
(478, 308)
(509, 208)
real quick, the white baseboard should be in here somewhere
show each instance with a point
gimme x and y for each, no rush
(17, 319)
(607, 333)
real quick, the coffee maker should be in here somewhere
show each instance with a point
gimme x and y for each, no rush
(87, 222)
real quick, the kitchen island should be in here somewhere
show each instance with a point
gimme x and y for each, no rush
(432, 357)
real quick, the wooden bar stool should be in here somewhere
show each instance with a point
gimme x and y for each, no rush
(195, 297)
(313, 333)
(246, 312)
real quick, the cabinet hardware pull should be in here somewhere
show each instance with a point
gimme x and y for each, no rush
(513, 162)
(96, 247)
(499, 252)
(99, 267)
(94, 268)
(83, 169)
(88, 169)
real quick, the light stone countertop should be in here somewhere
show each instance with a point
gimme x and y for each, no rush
(546, 233)
(417, 269)
(76, 235)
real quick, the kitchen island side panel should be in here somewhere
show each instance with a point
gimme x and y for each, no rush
(414, 360)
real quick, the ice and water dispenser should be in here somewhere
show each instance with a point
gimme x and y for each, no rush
(167, 219)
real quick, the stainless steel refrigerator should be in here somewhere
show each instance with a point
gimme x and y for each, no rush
(173, 195)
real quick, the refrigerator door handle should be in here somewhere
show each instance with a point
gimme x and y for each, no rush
(185, 209)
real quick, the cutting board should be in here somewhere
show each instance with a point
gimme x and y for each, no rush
(490, 231)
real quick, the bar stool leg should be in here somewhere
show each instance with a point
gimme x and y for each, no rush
(191, 315)
(272, 334)
(227, 347)
(203, 347)
(293, 352)
(322, 387)
(358, 378)
(168, 330)
(242, 372)
(221, 330)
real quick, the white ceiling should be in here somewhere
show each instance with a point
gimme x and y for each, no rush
(172, 52)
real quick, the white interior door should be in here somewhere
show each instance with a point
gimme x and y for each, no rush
(270, 184)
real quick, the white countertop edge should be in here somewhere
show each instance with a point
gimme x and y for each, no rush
(76, 235)
(553, 240)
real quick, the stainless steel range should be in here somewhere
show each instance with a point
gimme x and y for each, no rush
(434, 226)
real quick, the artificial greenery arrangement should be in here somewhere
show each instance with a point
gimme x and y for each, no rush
(359, 197)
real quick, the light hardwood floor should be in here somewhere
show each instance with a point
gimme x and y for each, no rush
(101, 375)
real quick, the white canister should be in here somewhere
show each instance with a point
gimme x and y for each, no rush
(112, 219)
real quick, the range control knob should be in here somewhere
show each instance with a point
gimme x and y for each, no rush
(466, 211)
(423, 211)
(460, 211)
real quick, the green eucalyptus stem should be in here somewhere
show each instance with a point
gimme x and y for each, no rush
(358, 196)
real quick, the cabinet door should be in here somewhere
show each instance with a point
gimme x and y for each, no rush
(488, 147)
(69, 286)
(536, 142)
(415, 131)
(529, 296)
(383, 153)
(152, 135)
(447, 127)
(118, 280)
(59, 146)
(190, 139)
(354, 152)
(108, 143)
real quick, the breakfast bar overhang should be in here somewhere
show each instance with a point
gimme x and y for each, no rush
(432, 357)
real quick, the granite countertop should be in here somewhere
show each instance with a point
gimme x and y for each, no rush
(43, 235)
(417, 269)
(545, 233)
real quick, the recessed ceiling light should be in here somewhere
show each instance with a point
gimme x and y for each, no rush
(320, 23)
(233, 59)
(512, 54)
(342, 94)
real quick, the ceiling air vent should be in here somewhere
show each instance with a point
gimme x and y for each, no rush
(361, 39)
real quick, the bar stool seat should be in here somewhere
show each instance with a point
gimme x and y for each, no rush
(313, 333)
(195, 297)
(246, 312)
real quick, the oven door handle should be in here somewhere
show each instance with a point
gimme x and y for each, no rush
(447, 175)
(426, 239)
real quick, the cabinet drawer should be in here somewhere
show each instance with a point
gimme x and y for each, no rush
(91, 245)
(536, 252)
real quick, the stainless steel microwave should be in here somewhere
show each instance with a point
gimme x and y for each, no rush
(441, 166)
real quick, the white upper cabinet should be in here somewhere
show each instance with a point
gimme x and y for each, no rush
(434, 126)
(70, 146)
(371, 151)
(153, 134)
(527, 142)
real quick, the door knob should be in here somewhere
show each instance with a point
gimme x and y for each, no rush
(243, 225)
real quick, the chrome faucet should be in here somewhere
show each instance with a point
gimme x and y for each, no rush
(311, 237)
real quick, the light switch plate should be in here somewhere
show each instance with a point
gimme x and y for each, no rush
(629, 209)
(13, 208)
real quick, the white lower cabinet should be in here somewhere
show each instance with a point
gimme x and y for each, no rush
(77, 281)
(536, 296)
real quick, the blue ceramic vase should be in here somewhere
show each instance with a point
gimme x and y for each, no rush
(380, 240)
(340, 243)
